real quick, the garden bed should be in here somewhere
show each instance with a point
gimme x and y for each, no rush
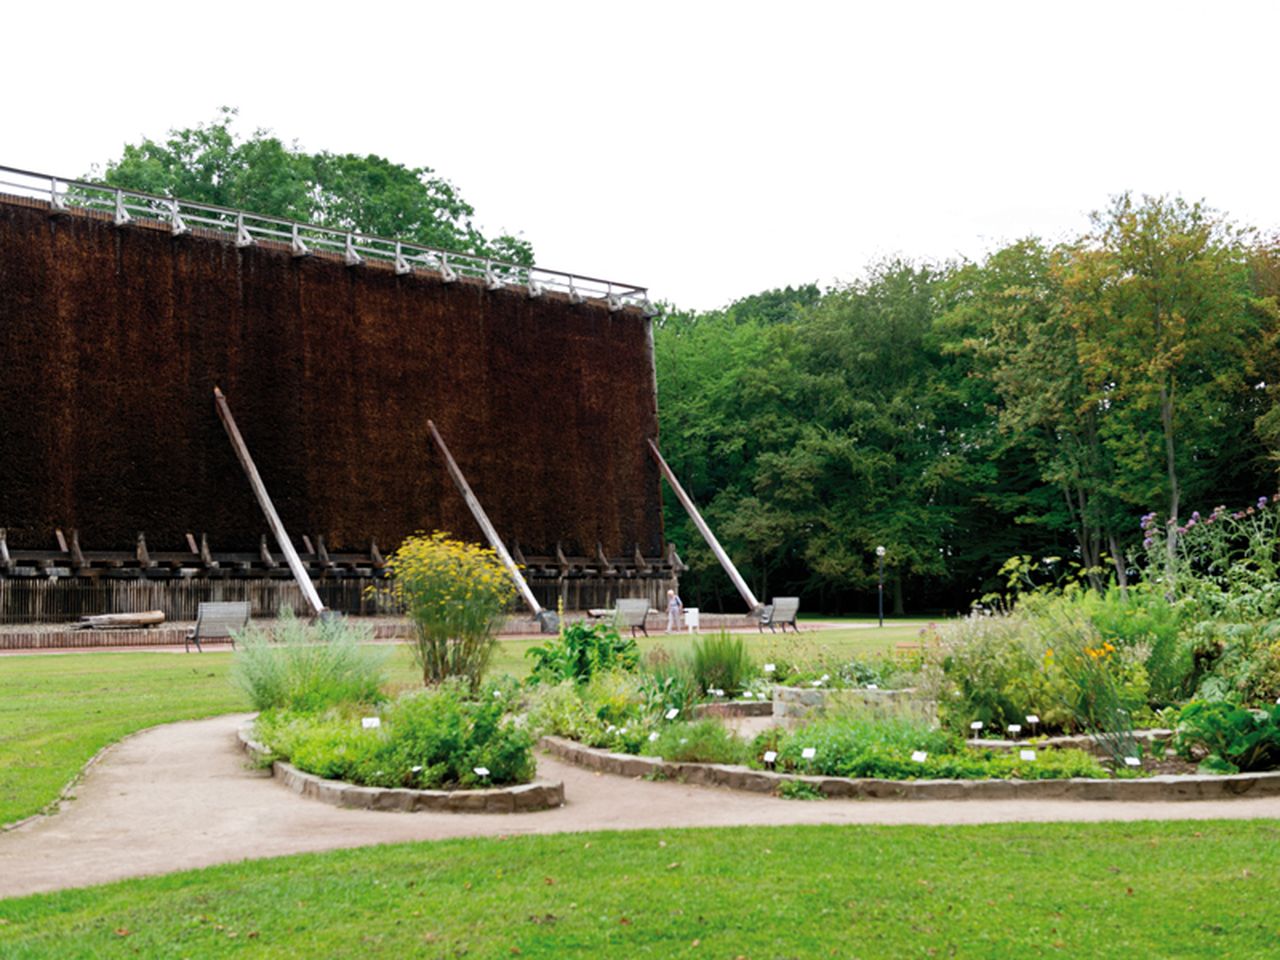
(519, 798)
(1156, 788)
(802, 702)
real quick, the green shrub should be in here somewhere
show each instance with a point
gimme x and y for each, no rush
(299, 666)
(580, 652)
(1230, 738)
(721, 662)
(456, 594)
(799, 790)
(862, 744)
(430, 739)
(667, 682)
(703, 741)
(610, 711)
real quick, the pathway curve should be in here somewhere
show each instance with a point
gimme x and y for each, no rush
(181, 796)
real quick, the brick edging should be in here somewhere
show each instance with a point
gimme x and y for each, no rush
(1158, 788)
(522, 798)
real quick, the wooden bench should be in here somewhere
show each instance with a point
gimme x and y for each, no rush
(782, 611)
(218, 621)
(631, 613)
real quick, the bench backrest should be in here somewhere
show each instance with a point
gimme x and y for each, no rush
(631, 613)
(221, 618)
(785, 609)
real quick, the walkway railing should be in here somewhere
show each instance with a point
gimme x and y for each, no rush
(305, 239)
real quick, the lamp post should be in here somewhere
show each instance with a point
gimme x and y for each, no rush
(880, 561)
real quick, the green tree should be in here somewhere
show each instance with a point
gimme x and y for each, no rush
(211, 163)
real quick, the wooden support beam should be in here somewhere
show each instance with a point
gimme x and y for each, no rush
(546, 619)
(143, 554)
(6, 561)
(753, 604)
(206, 555)
(77, 555)
(268, 560)
(62, 541)
(264, 501)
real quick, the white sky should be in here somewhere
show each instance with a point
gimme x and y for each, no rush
(705, 150)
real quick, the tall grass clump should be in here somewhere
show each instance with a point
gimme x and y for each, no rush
(456, 594)
(299, 666)
(721, 662)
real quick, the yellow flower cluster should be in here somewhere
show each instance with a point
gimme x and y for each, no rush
(1100, 653)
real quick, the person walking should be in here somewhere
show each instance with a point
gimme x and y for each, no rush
(675, 606)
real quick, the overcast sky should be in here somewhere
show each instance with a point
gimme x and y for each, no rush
(705, 150)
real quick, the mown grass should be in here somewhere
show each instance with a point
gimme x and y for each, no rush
(58, 710)
(1168, 890)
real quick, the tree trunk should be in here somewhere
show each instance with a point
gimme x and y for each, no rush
(897, 595)
(1118, 560)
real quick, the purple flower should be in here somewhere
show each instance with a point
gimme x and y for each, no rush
(1148, 542)
(1262, 502)
(1190, 523)
(1195, 515)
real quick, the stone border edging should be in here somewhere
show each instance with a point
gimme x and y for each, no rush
(1157, 788)
(733, 708)
(522, 798)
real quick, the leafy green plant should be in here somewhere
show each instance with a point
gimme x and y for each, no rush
(799, 790)
(721, 662)
(427, 739)
(456, 595)
(299, 666)
(581, 651)
(703, 741)
(1229, 738)
(612, 710)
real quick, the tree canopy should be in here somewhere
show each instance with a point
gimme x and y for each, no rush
(212, 163)
(1036, 402)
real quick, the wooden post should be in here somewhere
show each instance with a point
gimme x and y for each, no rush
(753, 604)
(264, 501)
(545, 617)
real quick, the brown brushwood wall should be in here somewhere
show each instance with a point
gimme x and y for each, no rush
(112, 340)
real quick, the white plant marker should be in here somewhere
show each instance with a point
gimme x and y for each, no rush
(371, 723)
(653, 737)
(481, 771)
(1032, 719)
(919, 756)
(1027, 754)
(746, 694)
(816, 683)
(1132, 762)
(770, 667)
(770, 756)
(417, 769)
(1015, 729)
(673, 713)
(808, 753)
(873, 686)
(975, 726)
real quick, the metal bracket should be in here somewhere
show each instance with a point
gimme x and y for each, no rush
(535, 289)
(615, 302)
(402, 265)
(179, 225)
(447, 272)
(349, 255)
(296, 246)
(243, 237)
(56, 200)
(491, 280)
(122, 215)
(574, 295)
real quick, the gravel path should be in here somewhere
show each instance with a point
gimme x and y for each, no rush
(181, 796)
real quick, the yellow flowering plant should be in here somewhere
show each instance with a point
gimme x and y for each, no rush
(456, 594)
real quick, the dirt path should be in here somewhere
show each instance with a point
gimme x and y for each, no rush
(181, 796)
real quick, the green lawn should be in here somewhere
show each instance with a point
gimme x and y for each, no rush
(1124, 891)
(58, 710)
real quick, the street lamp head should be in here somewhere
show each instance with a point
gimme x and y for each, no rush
(879, 551)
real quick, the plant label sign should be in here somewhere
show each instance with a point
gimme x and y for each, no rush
(976, 725)
(1027, 754)
(371, 723)
(770, 667)
(770, 756)
(673, 713)
(919, 756)
(808, 753)
(1032, 719)
(1132, 762)
(1015, 728)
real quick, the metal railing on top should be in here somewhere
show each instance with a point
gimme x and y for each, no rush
(304, 239)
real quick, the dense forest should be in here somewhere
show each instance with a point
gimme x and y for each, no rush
(1037, 403)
